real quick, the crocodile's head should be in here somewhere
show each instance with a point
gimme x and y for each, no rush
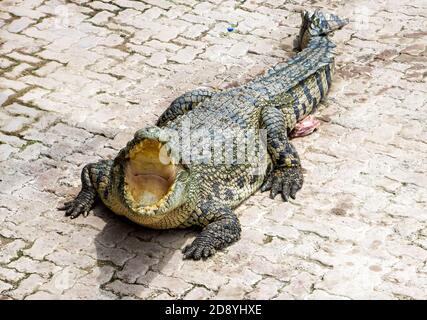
(152, 182)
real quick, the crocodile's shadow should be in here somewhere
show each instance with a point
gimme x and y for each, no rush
(132, 254)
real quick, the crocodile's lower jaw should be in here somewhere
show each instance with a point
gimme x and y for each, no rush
(149, 174)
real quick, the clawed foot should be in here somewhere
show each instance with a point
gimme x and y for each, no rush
(216, 235)
(198, 250)
(80, 205)
(286, 181)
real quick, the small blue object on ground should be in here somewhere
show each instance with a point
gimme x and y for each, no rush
(230, 29)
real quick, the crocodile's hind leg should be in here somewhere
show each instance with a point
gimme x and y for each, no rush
(222, 228)
(286, 177)
(183, 104)
(94, 177)
(305, 127)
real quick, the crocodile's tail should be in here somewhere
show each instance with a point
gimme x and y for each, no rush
(318, 24)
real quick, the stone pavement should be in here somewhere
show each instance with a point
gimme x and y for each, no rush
(78, 77)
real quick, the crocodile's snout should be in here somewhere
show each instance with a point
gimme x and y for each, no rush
(153, 181)
(149, 172)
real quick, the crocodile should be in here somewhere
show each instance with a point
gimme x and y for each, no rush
(166, 178)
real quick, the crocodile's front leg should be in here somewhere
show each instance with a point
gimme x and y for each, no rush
(222, 228)
(95, 177)
(286, 177)
(183, 104)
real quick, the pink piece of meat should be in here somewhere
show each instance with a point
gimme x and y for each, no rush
(305, 127)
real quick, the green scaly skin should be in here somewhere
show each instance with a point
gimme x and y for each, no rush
(205, 194)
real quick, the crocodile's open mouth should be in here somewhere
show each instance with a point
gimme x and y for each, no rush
(149, 173)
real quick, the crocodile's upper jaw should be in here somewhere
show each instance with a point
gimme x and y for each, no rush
(153, 183)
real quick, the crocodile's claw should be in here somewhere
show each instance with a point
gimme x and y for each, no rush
(198, 250)
(286, 181)
(217, 235)
(80, 205)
